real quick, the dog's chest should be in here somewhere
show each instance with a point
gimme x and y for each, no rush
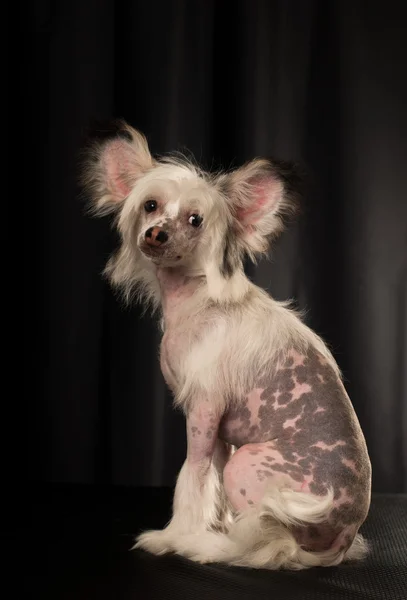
(183, 347)
(171, 358)
(178, 293)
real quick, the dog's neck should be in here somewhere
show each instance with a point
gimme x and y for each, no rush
(184, 292)
(177, 287)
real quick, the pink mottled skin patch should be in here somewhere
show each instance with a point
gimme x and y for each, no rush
(350, 464)
(291, 422)
(329, 447)
(233, 427)
(297, 429)
(300, 389)
(297, 358)
(249, 468)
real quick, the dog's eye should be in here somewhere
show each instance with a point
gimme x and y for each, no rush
(195, 220)
(150, 206)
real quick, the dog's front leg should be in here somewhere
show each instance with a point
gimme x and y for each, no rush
(198, 499)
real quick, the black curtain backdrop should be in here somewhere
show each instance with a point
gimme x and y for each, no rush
(316, 81)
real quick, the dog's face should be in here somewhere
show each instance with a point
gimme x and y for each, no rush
(171, 213)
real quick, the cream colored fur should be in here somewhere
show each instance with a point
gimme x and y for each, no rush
(260, 539)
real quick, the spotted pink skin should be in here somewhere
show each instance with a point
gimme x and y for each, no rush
(296, 427)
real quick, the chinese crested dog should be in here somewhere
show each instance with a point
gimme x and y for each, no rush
(277, 473)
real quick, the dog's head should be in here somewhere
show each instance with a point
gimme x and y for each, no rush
(172, 214)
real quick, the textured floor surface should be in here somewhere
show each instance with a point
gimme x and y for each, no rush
(74, 544)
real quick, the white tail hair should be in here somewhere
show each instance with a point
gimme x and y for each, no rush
(261, 537)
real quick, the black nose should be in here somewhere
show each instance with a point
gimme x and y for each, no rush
(161, 236)
(155, 236)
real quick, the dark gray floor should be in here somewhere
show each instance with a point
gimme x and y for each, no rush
(77, 540)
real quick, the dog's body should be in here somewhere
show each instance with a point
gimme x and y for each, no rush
(277, 472)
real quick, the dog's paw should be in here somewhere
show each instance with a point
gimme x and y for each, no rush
(202, 548)
(155, 541)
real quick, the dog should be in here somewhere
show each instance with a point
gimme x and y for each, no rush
(277, 473)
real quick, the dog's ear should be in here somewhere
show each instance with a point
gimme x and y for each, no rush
(262, 193)
(114, 156)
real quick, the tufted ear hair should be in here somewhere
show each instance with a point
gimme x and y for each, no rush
(115, 155)
(261, 194)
